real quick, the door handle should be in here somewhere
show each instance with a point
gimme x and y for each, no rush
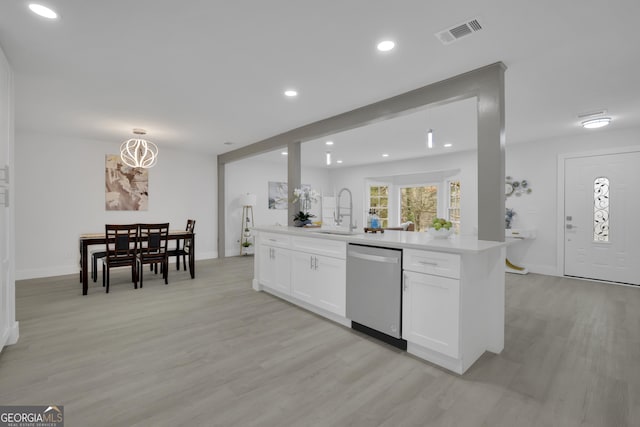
(315, 262)
(404, 282)
(435, 264)
(374, 258)
(570, 226)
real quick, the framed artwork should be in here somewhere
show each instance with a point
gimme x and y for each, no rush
(278, 195)
(126, 188)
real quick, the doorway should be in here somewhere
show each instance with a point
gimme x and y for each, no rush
(601, 227)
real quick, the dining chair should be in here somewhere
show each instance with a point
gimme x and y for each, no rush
(95, 256)
(183, 246)
(121, 242)
(152, 248)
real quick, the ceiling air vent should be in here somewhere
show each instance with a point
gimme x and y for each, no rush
(459, 31)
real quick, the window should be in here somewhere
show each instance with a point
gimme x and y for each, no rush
(453, 209)
(379, 203)
(601, 210)
(419, 205)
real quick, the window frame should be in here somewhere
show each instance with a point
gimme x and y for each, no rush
(384, 222)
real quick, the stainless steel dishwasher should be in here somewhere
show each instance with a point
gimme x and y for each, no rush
(374, 292)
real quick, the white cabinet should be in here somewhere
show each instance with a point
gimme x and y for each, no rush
(431, 300)
(302, 275)
(331, 284)
(275, 267)
(319, 280)
(312, 271)
(431, 312)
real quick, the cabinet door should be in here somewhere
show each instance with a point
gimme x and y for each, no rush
(302, 277)
(430, 312)
(330, 283)
(267, 267)
(275, 268)
(282, 262)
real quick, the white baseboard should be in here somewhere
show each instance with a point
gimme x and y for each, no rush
(547, 270)
(10, 335)
(36, 273)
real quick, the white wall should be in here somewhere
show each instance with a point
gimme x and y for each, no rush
(252, 175)
(60, 195)
(354, 178)
(9, 328)
(537, 162)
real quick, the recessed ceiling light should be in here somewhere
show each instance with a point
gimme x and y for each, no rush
(430, 139)
(329, 143)
(386, 45)
(448, 145)
(385, 155)
(328, 157)
(43, 11)
(284, 153)
(596, 123)
(338, 161)
(290, 93)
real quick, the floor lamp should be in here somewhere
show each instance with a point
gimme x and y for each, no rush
(248, 201)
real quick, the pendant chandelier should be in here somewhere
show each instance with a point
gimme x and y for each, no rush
(139, 153)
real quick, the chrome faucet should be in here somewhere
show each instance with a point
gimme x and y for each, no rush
(339, 216)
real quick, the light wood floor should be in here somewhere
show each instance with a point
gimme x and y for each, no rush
(212, 352)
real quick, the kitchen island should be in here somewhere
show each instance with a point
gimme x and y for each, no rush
(452, 289)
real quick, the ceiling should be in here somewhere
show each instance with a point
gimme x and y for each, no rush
(197, 74)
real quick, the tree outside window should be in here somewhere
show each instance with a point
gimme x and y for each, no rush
(419, 205)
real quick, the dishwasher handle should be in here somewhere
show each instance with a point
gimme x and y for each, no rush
(375, 258)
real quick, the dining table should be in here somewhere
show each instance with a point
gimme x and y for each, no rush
(92, 239)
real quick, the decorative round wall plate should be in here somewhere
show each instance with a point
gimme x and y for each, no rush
(508, 189)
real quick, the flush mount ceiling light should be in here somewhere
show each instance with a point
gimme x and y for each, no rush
(386, 45)
(448, 145)
(43, 11)
(430, 138)
(596, 123)
(328, 157)
(139, 153)
(385, 155)
(290, 93)
(339, 161)
(284, 153)
(328, 143)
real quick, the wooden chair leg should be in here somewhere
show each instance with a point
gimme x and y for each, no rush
(108, 278)
(166, 272)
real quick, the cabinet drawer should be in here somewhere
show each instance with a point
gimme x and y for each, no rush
(438, 263)
(320, 246)
(275, 239)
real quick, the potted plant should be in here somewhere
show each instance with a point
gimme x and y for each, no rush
(302, 218)
(246, 245)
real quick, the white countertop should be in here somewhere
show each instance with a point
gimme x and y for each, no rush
(395, 239)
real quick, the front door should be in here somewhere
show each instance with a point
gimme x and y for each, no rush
(602, 217)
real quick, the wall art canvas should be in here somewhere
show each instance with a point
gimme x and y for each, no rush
(126, 188)
(278, 195)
